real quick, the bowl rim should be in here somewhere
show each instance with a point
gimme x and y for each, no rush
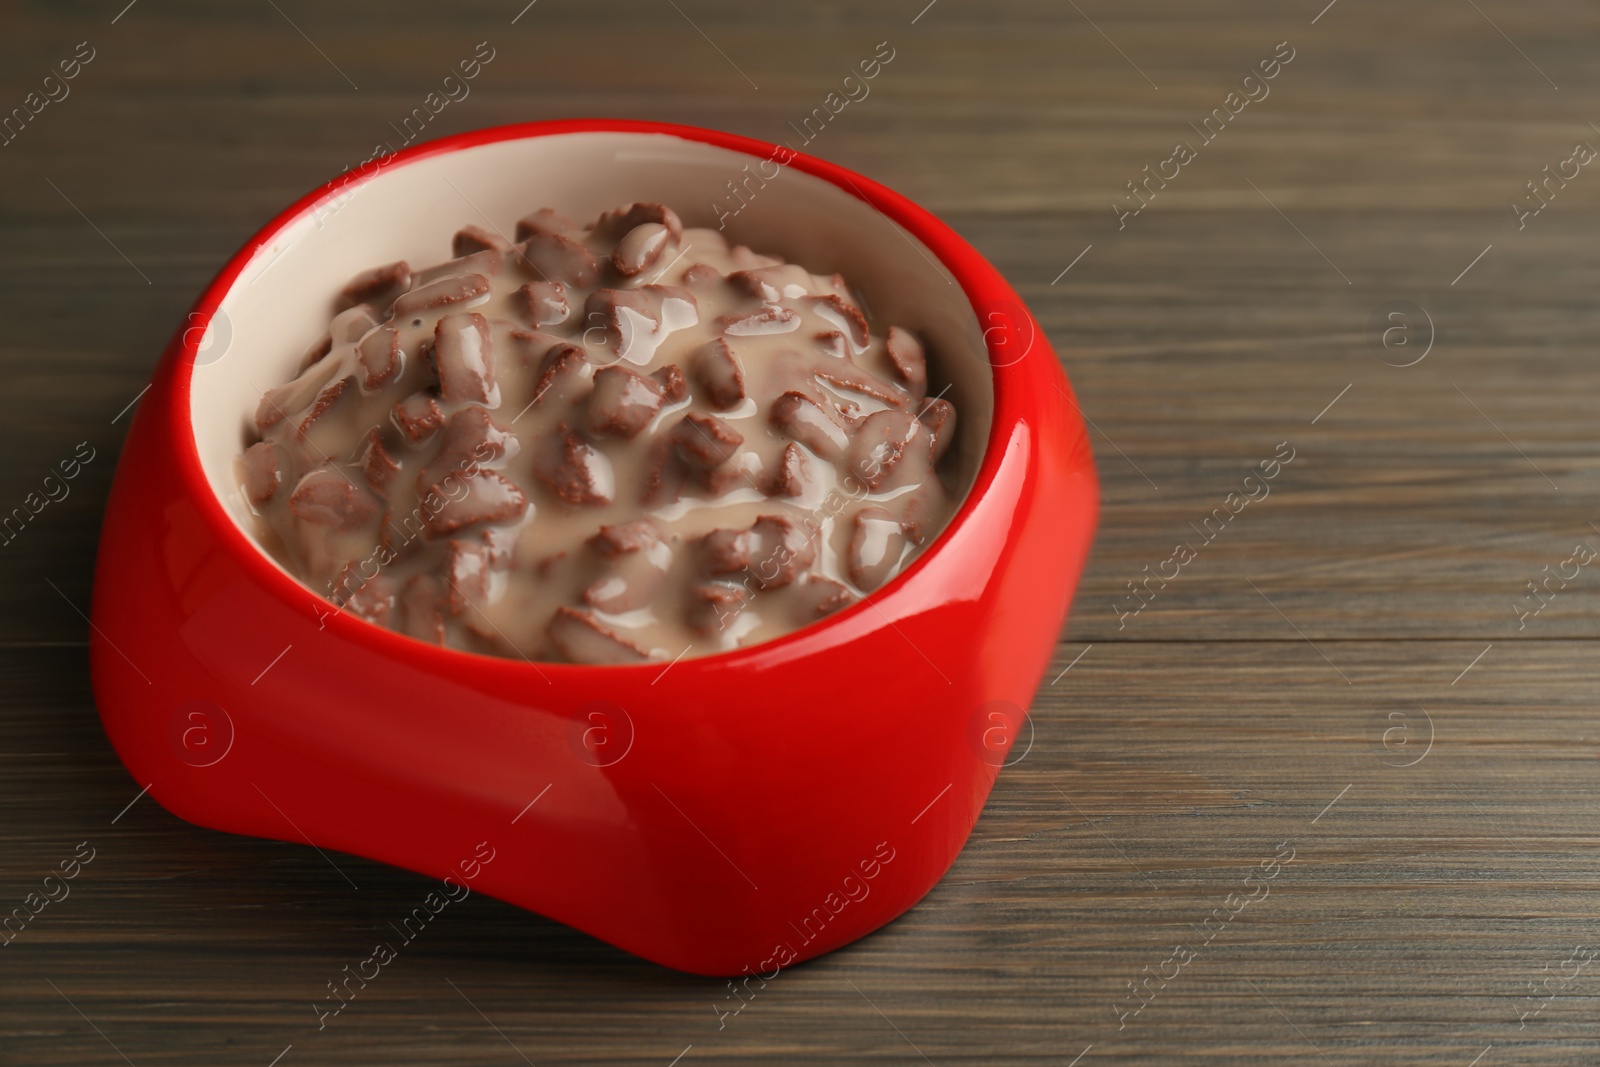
(989, 295)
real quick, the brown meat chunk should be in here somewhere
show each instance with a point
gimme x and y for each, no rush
(530, 347)
(622, 402)
(705, 440)
(545, 221)
(877, 542)
(262, 469)
(378, 286)
(446, 291)
(305, 393)
(665, 473)
(421, 604)
(673, 385)
(720, 372)
(921, 509)
(471, 440)
(767, 284)
(641, 248)
(470, 239)
(465, 359)
(768, 320)
(488, 262)
(715, 481)
(744, 259)
(833, 344)
(552, 566)
(939, 416)
(417, 416)
(726, 551)
(628, 316)
(773, 552)
(542, 303)
(481, 497)
(712, 605)
(909, 361)
(501, 542)
(882, 443)
(352, 324)
(702, 277)
(781, 551)
(471, 436)
(564, 375)
(790, 475)
(582, 638)
(327, 497)
(575, 470)
(320, 348)
(270, 410)
(615, 540)
(629, 580)
(381, 468)
(612, 225)
(853, 379)
(817, 597)
(466, 570)
(348, 580)
(372, 599)
(798, 416)
(555, 257)
(321, 406)
(381, 358)
(844, 315)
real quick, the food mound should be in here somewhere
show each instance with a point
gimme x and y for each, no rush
(604, 444)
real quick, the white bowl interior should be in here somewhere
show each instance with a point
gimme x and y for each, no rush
(284, 297)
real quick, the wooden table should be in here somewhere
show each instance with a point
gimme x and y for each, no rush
(1341, 673)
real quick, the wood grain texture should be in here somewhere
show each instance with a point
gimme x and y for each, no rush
(1341, 671)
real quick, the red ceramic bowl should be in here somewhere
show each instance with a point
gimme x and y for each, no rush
(737, 812)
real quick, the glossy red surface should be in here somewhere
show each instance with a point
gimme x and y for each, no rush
(740, 811)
